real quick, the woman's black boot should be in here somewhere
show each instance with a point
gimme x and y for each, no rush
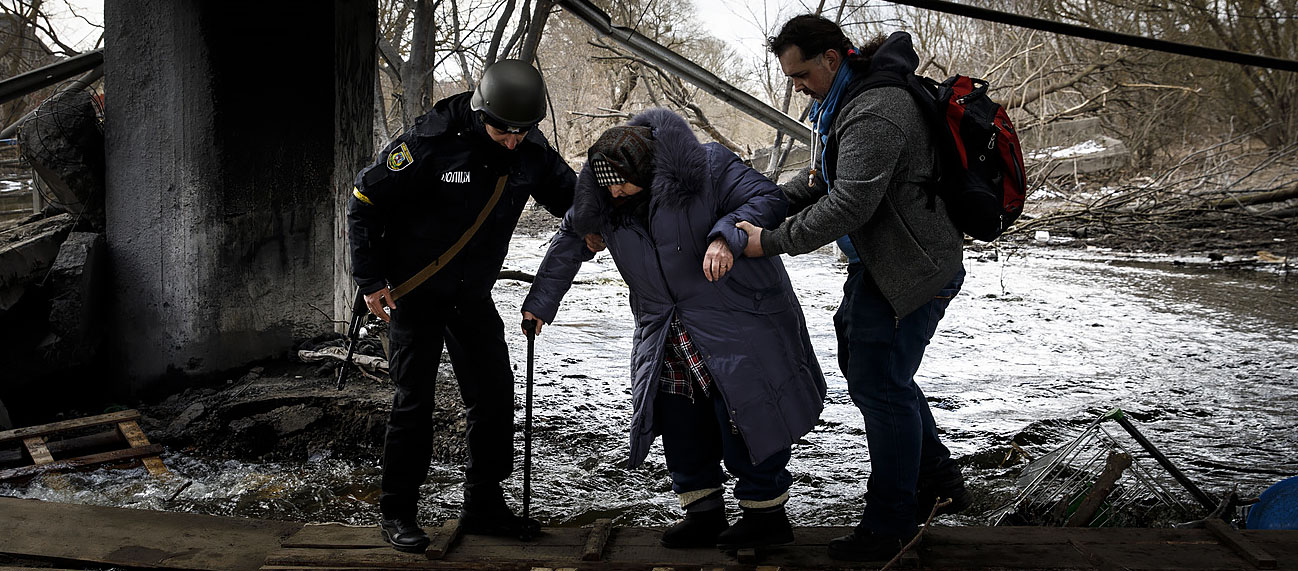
(705, 519)
(759, 527)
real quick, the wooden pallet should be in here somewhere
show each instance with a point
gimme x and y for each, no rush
(45, 451)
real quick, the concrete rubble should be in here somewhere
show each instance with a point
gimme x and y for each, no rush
(52, 286)
(26, 253)
(1071, 148)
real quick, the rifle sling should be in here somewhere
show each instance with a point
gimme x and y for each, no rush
(455, 248)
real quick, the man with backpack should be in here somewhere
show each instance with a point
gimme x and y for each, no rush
(868, 188)
(429, 225)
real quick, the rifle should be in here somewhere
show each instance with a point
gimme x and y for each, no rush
(359, 311)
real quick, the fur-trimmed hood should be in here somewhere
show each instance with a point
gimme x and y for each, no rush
(680, 171)
(680, 161)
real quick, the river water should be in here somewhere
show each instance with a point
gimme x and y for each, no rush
(1040, 342)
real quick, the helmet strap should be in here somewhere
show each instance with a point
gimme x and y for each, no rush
(512, 129)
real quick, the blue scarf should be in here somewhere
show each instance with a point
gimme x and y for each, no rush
(822, 119)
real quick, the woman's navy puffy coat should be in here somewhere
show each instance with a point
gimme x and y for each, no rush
(748, 326)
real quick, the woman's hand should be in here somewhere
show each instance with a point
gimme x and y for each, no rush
(718, 260)
(539, 322)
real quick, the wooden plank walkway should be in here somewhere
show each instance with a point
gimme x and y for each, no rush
(952, 548)
(102, 536)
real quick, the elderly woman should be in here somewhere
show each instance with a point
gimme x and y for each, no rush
(666, 207)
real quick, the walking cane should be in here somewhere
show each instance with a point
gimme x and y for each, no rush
(529, 326)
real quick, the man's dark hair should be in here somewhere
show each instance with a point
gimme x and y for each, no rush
(815, 35)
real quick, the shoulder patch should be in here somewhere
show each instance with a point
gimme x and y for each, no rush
(399, 158)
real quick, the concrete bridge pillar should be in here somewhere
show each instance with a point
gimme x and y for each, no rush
(233, 131)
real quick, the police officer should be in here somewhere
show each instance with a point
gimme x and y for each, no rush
(425, 192)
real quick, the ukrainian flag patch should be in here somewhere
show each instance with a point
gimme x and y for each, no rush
(399, 158)
(361, 197)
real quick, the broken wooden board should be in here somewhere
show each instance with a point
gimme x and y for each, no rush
(106, 536)
(124, 454)
(130, 431)
(597, 539)
(66, 425)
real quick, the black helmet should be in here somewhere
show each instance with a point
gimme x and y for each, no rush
(510, 94)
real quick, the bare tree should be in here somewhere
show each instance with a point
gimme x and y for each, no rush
(29, 39)
(501, 23)
(419, 37)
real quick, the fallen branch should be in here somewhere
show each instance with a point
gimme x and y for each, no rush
(607, 114)
(1256, 198)
(915, 540)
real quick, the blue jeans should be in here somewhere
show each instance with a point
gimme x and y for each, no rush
(697, 437)
(879, 354)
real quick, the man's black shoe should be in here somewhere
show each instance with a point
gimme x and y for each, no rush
(927, 496)
(762, 527)
(864, 546)
(932, 488)
(698, 529)
(404, 535)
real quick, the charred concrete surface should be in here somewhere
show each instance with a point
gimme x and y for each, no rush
(231, 137)
(76, 282)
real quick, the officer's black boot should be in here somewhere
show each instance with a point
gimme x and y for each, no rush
(705, 519)
(485, 513)
(759, 527)
(404, 534)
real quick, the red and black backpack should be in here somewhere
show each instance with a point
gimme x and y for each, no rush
(981, 175)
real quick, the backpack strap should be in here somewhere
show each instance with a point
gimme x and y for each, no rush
(882, 78)
(925, 92)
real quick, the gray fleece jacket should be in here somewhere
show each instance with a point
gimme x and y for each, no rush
(883, 154)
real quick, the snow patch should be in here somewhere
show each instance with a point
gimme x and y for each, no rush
(1060, 152)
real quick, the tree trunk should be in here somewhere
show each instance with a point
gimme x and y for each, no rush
(539, 16)
(501, 24)
(1257, 198)
(523, 16)
(458, 46)
(416, 91)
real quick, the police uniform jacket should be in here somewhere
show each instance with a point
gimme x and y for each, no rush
(428, 187)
